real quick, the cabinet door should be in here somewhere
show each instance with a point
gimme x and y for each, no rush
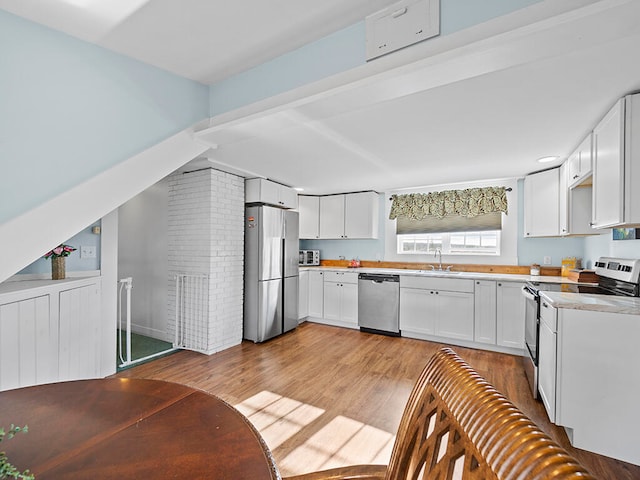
(361, 215)
(79, 333)
(316, 294)
(579, 163)
(417, 310)
(28, 344)
(303, 295)
(455, 315)
(309, 209)
(608, 169)
(510, 315)
(332, 299)
(563, 201)
(332, 216)
(547, 370)
(541, 199)
(288, 197)
(349, 303)
(485, 312)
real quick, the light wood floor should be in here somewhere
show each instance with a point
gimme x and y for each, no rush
(324, 396)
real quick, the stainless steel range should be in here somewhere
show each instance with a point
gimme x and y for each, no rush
(617, 276)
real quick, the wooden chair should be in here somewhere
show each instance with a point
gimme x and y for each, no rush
(457, 426)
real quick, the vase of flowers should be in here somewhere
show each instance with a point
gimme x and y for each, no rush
(57, 256)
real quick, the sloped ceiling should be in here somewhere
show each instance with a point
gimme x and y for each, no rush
(204, 40)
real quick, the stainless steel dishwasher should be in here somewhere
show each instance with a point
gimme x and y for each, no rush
(378, 303)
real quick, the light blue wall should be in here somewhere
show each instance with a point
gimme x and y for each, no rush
(335, 53)
(332, 54)
(73, 263)
(69, 110)
(457, 15)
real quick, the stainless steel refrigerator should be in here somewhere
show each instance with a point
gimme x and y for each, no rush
(270, 272)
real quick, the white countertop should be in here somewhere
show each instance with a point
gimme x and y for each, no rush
(598, 303)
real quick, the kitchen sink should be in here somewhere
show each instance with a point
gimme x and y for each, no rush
(439, 272)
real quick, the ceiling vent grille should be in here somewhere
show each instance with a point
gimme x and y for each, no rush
(400, 25)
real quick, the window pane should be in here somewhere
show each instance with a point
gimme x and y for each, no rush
(472, 241)
(467, 243)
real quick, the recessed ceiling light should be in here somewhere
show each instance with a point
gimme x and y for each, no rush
(299, 189)
(552, 158)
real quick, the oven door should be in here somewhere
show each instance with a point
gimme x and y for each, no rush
(531, 323)
(531, 332)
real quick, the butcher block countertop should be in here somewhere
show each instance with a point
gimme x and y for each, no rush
(505, 277)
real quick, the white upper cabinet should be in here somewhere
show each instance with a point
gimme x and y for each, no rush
(575, 203)
(352, 215)
(309, 209)
(361, 215)
(541, 200)
(260, 190)
(579, 163)
(616, 176)
(332, 216)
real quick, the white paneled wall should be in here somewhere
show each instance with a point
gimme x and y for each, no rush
(206, 237)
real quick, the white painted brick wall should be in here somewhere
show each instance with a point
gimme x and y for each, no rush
(206, 236)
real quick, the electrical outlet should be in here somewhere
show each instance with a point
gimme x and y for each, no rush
(547, 260)
(88, 251)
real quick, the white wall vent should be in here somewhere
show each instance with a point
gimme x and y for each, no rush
(400, 25)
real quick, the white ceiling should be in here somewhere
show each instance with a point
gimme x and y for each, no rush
(478, 104)
(482, 110)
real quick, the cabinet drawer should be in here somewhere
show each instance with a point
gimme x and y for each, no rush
(437, 283)
(342, 277)
(548, 315)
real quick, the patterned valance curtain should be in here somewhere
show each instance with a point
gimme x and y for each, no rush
(451, 210)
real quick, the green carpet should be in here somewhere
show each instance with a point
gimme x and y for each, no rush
(142, 346)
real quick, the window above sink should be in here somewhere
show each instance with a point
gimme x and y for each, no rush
(450, 243)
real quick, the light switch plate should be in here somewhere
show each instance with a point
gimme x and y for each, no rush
(88, 251)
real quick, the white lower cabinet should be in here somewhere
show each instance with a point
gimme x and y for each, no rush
(416, 307)
(316, 294)
(588, 378)
(443, 312)
(510, 312)
(28, 343)
(303, 295)
(50, 334)
(454, 315)
(341, 299)
(547, 355)
(79, 342)
(485, 312)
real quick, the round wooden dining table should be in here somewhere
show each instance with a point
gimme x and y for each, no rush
(133, 429)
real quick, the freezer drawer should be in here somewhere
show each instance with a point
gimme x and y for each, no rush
(263, 311)
(378, 303)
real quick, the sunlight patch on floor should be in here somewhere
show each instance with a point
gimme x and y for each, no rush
(277, 418)
(343, 441)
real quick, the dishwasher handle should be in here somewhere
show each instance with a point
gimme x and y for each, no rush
(378, 277)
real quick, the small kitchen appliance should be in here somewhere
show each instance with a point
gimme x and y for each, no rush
(309, 257)
(616, 276)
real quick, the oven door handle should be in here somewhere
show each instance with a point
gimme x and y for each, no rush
(527, 294)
